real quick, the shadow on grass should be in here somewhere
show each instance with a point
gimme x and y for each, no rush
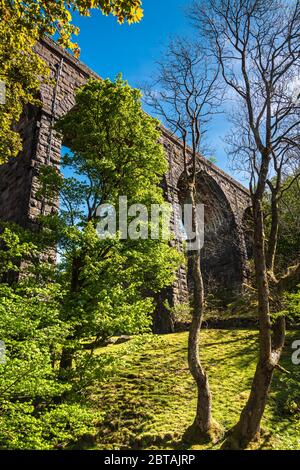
(148, 405)
(230, 341)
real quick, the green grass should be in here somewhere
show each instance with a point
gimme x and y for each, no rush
(151, 401)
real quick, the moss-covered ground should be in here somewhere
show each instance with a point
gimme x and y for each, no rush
(151, 400)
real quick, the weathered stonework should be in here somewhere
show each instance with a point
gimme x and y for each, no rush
(224, 254)
(225, 200)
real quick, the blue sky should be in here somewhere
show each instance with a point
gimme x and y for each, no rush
(109, 48)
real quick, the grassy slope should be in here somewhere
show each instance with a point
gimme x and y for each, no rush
(151, 401)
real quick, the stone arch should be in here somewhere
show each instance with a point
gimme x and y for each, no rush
(222, 259)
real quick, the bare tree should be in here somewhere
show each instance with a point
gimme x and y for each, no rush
(185, 95)
(256, 43)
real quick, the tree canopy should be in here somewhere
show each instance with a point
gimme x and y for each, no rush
(55, 17)
(21, 70)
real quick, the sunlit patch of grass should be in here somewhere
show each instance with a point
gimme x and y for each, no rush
(151, 401)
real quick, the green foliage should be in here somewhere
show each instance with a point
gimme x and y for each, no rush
(57, 427)
(33, 415)
(182, 313)
(106, 299)
(290, 403)
(291, 306)
(39, 410)
(22, 24)
(29, 387)
(13, 248)
(114, 143)
(48, 17)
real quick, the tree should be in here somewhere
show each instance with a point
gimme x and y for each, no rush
(21, 70)
(111, 281)
(186, 95)
(256, 44)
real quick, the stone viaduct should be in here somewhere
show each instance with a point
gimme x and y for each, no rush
(224, 253)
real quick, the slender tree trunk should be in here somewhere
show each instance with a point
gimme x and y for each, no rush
(163, 319)
(66, 359)
(203, 419)
(248, 427)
